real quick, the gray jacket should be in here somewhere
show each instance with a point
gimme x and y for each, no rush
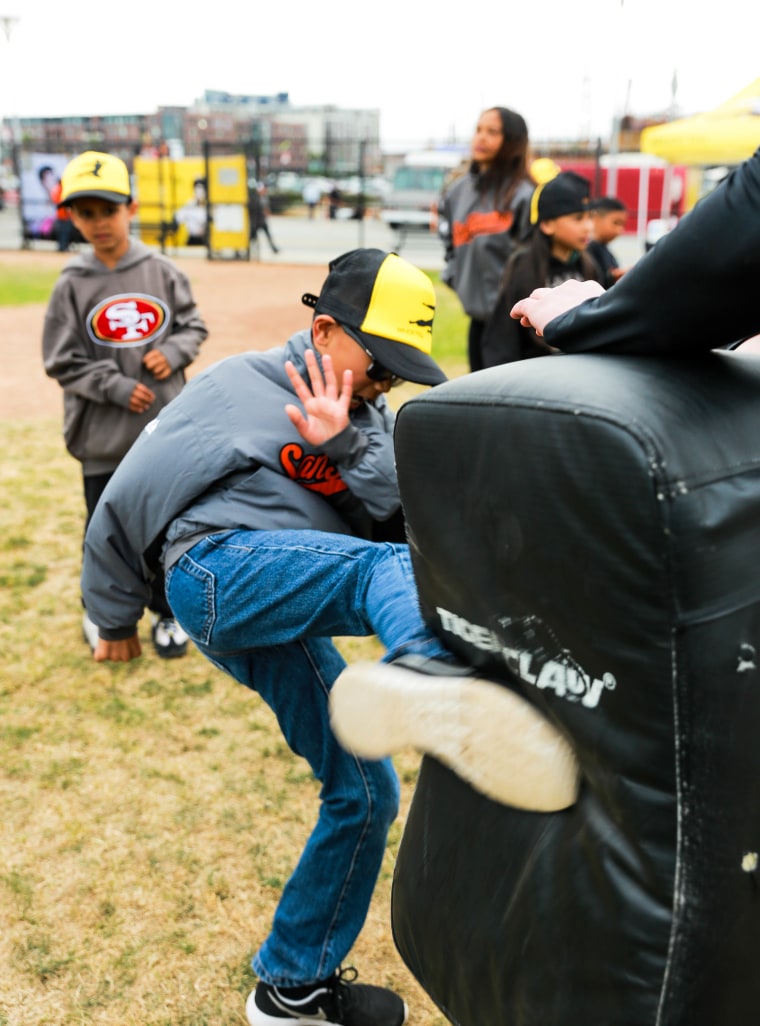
(98, 326)
(224, 456)
(479, 240)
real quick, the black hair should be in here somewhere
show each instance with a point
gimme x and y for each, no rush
(535, 253)
(510, 165)
(606, 204)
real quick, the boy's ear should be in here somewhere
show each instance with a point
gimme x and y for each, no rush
(547, 227)
(132, 208)
(321, 327)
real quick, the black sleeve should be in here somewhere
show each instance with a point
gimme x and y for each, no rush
(695, 290)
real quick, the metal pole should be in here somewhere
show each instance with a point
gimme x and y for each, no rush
(16, 164)
(207, 172)
(10, 135)
(614, 148)
(360, 198)
(161, 199)
(7, 22)
(598, 169)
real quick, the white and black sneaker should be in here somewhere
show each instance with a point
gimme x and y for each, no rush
(337, 1001)
(89, 631)
(169, 640)
(482, 730)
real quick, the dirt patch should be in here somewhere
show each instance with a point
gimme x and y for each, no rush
(246, 305)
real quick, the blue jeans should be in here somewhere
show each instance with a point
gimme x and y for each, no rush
(263, 606)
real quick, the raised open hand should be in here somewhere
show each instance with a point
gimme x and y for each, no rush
(325, 408)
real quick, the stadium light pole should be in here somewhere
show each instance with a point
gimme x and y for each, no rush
(7, 21)
(614, 147)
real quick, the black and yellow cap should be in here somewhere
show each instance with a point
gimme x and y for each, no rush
(564, 193)
(95, 174)
(387, 305)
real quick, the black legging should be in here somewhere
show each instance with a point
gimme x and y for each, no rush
(474, 336)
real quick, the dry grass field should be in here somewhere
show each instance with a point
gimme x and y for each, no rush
(149, 813)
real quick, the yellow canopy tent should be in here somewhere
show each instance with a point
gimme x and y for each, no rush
(724, 136)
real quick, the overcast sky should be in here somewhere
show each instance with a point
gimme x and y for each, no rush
(568, 66)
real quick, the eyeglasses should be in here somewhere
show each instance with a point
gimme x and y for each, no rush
(376, 371)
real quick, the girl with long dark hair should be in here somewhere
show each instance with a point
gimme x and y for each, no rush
(483, 214)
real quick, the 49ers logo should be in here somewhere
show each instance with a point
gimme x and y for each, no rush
(311, 470)
(130, 319)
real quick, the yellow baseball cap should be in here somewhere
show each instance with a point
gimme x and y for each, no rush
(95, 174)
(386, 305)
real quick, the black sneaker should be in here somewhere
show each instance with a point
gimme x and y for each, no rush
(482, 730)
(169, 640)
(337, 1001)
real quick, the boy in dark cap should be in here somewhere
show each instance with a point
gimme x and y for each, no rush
(555, 252)
(120, 329)
(610, 216)
(259, 491)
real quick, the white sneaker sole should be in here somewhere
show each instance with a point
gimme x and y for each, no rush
(256, 1017)
(89, 632)
(484, 732)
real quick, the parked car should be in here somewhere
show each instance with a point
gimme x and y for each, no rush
(416, 188)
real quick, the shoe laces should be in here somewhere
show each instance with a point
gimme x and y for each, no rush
(172, 628)
(341, 982)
